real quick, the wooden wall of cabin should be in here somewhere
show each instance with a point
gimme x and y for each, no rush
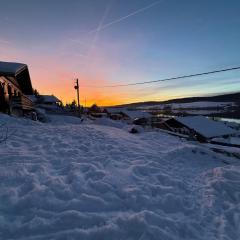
(7, 91)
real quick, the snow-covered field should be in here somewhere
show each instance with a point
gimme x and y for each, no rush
(194, 105)
(72, 180)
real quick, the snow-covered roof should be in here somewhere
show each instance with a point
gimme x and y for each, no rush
(20, 73)
(205, 126)
(10, 68)
(49, 98)
(44, 98)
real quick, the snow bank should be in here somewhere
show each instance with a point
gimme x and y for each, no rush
(81, 181)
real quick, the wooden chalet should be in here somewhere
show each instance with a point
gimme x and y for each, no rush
(15, 84)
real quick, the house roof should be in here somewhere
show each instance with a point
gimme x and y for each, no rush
(21, 74)
(205, 126)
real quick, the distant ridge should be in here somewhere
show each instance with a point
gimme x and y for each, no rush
(233, 97)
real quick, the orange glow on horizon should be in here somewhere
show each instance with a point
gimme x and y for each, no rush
(54, 76)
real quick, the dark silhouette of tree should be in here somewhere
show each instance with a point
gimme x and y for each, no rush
(36, 93)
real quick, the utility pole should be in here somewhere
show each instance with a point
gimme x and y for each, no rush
(78, 101)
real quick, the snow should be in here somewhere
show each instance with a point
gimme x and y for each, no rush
(230, 140)
(44, 98)
(111, 123)
(10, 67)
(201, 104)
(71, 180)
(198, 112)
(205, 126)
(133, 114)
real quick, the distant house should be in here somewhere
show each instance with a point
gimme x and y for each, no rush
(199, 127)
(136, 116)
(15, 84)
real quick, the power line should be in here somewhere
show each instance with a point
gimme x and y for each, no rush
(166, 79)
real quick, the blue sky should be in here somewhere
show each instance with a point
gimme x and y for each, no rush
(123, 41)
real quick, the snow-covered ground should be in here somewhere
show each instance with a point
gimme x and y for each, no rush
(73, 180)
(230, 140)
(195, 105)
(198, 112)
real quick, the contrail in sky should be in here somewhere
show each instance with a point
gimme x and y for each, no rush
(96, 35)
(100, 25)
(91, 46)
(125, 17)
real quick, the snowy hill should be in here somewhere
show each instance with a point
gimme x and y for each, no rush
(73, 180)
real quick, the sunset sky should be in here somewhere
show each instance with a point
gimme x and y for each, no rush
(108, 42)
